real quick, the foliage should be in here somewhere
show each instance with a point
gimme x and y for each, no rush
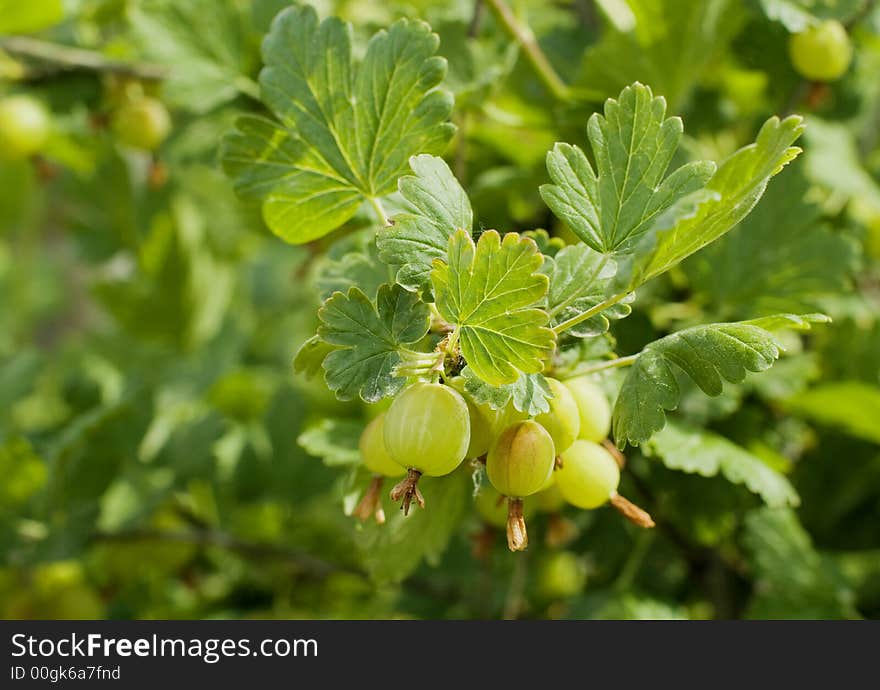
(360, 196)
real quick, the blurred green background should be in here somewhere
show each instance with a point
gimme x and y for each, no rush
(158, 457)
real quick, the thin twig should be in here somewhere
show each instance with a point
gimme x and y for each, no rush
(523, 35)
(70, 58)
(476, 19)
(602, 366)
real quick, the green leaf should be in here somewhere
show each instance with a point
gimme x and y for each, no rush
(611, 208)
(849, 406)
(671, 46)
(393, 550)
(490, 292)
(17, 17)
(797, 15)
(370, 339)
(793, 580)
(548, 246)
(346, 131)
(708, 354)
(704, 216)
(206, 45)
(360, 268)
(579, 279)
(702, 452)
(530, 393)
(310, 356)
(24, 472)
(335, 441)
(780, 258)
(439, 207)
(833, 160)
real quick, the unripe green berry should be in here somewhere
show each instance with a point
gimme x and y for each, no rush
(481, 421)
(549, 499)
(24, 126)
(562, 421)
(821, 52)
(373, 452)
(142, 124)
(427, 428)
(492, 506)
(593, 409)
(560, 575)
(589, 475)
(521, 460)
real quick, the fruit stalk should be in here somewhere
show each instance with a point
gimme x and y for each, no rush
(371, 503)
(517, 536)
(631, 511)
(408, 490)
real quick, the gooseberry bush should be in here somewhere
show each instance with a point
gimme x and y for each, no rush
(506, 313)
(440, 309)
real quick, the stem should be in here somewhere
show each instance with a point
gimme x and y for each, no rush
(636, 556)
(407, 491)
(599, 308)
(609, 364)
(523, 35)
(376, 203)
(70, 57)
(517, 536)
(632, 512)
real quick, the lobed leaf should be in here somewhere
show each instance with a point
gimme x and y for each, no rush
(611, 208)
(697, 451)
(369, 339)
(335, 441)
(579, 279)
(709, 355)
(703, 216)
(793, 580)
(344, 131)
(850, 406)
(530, 393)
(490, 292)
(439, 207)
(309, 358)
(359, 268)
(779, 258)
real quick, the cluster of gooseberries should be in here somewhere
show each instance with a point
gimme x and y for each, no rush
(431, 428)
(138, 120)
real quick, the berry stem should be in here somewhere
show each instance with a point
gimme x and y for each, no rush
(408, 490)
(371, 503)
(631, 511)
(517, 536)
(615, 452)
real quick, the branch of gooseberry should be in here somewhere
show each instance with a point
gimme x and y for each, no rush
(523, 35)
(70, 57)
(589, 313)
